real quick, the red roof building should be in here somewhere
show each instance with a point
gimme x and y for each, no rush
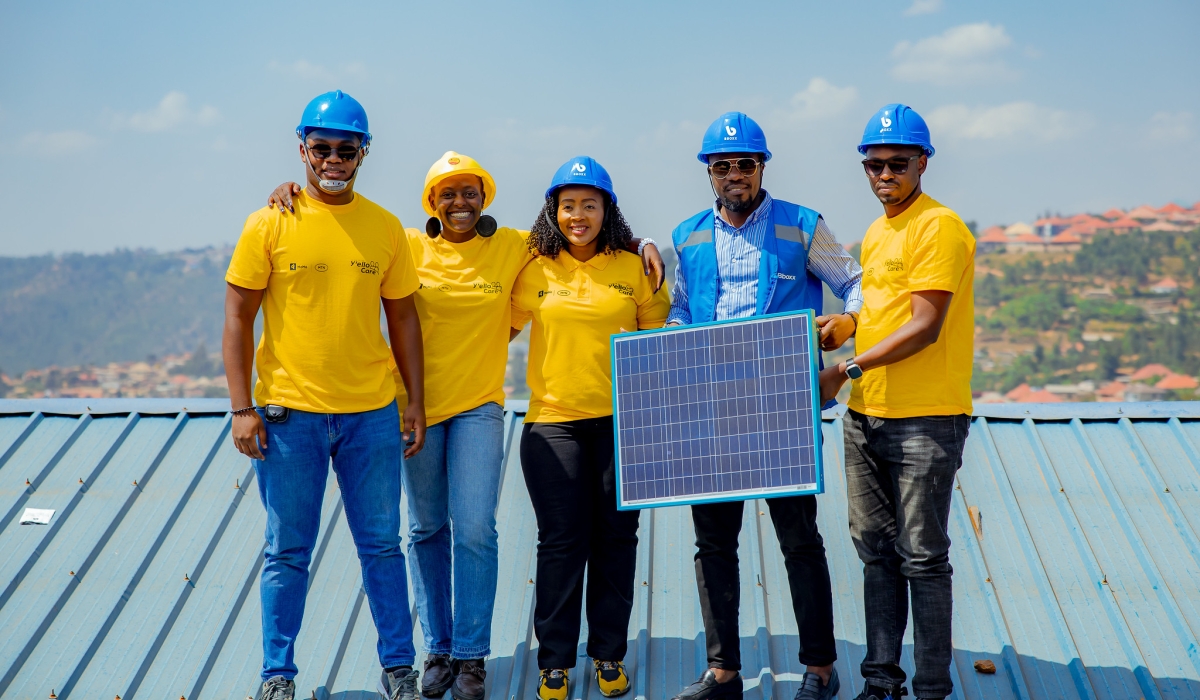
(1042, 396)
(1018, 394)
(1114, 213)
(1177, 381)
(1143, 212)
(1113, 391)
(1066, 238)
(1171, 208)
(1150, 371)
(1123, 225)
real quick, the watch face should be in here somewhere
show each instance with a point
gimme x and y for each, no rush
(853, 371)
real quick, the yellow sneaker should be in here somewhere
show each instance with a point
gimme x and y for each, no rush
(552, 684)
(611, 677)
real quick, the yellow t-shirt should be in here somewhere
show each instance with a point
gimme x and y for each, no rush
(465, 307)
(576, 307)
(324, 270)
(928, 247)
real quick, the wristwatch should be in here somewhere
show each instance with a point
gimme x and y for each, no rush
(852, 370)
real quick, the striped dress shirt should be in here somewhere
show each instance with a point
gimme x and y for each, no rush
(739, 251)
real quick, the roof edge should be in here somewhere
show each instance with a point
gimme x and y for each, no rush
(1010, 411)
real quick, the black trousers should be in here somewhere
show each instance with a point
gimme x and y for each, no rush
(795, 520)
(571, 477)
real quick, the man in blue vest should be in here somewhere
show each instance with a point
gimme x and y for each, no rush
(748, 255)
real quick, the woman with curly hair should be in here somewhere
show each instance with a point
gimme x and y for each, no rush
(580, 289)
(466, 265)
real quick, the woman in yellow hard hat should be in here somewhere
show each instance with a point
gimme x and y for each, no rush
(467, 266)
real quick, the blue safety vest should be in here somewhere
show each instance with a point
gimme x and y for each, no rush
(784, 282)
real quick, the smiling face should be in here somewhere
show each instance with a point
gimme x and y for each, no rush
(737, 192)
(459, 202)
(332, 155)
(580, 214)
(892, 189)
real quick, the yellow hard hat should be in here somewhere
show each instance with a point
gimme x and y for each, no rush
(449, 165)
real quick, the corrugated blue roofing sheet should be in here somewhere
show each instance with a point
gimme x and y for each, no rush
(1081, 580)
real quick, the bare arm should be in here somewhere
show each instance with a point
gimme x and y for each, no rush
(404, 332)
(922, 330)
(652, 261)
(237, 349)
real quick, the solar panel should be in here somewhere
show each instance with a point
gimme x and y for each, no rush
(720, 411)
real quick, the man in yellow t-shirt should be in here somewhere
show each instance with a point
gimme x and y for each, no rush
(325, 388)
(910, 406)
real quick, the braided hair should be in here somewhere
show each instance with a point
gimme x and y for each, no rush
(545, 237)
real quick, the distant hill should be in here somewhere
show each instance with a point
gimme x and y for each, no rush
(93, 309)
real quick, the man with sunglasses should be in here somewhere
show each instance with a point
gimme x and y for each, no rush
(748, 255)
(909, 408)
(325, 390)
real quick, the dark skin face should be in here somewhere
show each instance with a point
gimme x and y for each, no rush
(333, 167)
(459, 203)
(737, 193)
(897, 192)
(580, 216)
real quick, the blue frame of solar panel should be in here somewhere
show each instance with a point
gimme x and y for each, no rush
(720, 411)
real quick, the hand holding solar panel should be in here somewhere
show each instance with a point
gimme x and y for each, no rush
(720, 411)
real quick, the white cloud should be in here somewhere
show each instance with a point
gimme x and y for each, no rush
(172, 111)
(1172, 126)
(923, 7)
(969, 53)
(1006, 121)
(314, 72)
(59, 143)
(821, 99)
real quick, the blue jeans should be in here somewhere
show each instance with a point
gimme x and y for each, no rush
(453, 488)
(365, 448)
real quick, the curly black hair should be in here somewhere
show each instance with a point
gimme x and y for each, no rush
(545, 238)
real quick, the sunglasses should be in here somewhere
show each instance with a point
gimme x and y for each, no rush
(323, 151)
(720, 169)
(898, 166)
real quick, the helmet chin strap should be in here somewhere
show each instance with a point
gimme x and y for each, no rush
(332, 186)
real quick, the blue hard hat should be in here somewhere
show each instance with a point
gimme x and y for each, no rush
(334, 110)
(733, 132)
(896, 124)
(582, 170)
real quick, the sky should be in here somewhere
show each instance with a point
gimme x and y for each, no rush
(163, 125)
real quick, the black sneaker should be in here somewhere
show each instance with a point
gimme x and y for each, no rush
(811, 687)
(707, 688)
(874, 692)
(278, 688)
(401, 685)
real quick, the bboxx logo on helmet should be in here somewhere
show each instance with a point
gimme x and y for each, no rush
(579, 168)
(730, 130)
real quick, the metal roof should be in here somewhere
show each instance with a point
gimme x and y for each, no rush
(1081, 580)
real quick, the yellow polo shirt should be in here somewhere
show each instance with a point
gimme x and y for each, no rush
(465, 307)
(324, 270)
(927, 247)
(576, 307)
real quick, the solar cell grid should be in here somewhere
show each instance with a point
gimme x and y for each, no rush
(721, 411)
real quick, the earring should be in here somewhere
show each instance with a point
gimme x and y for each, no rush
(433, 227)
(486, 226)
